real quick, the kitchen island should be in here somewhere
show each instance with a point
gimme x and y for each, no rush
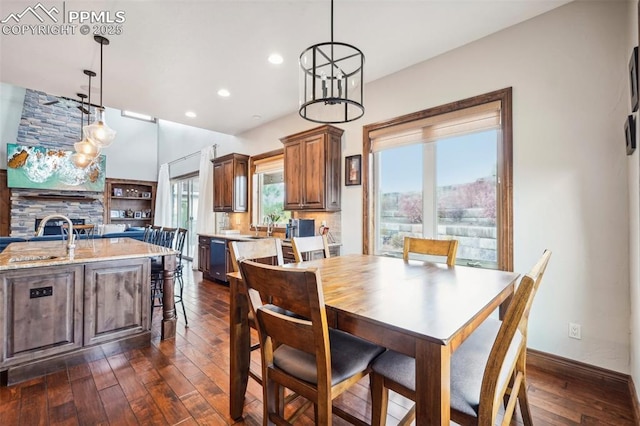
(58, 305)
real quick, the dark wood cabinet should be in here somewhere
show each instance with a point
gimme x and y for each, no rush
(130, 202)
(312, 169)
(230, 183)
(204, 256)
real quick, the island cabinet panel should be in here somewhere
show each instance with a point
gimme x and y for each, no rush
(116, 298)
(41, 313)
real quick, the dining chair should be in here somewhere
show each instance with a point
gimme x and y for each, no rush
(487, 370)
(303, 247)
(300, 352)
(266, 250)
(447, 248)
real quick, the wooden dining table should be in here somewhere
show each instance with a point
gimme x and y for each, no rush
(422, 309)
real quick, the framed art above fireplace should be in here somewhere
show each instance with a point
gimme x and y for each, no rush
(37, 167)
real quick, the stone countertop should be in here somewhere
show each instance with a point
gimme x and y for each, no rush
(249, 237)
(36, 254)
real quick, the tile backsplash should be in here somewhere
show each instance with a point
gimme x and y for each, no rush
(241, 222)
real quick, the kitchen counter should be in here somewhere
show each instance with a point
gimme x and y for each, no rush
(249, 237)
(214, 259)
(55, 306)
(37, 254)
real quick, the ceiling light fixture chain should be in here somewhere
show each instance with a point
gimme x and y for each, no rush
(99, 133)
(331, 82)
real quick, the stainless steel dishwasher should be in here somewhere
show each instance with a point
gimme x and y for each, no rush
(218, 260)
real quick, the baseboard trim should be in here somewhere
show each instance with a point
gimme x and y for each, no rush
(634, 400)
(591, 374)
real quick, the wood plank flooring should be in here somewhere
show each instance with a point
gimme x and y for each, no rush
(185, 381)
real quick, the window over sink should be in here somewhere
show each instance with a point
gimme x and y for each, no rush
(268, 191)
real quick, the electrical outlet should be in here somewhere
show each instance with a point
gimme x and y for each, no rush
(323, 223)
(575, 331)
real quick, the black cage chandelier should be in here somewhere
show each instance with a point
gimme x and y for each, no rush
(331, 82)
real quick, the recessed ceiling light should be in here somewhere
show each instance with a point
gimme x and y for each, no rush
(191, 114)
(257, 117)
(224, 93)
(275, 58)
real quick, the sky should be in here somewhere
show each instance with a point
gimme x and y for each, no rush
(460, 159)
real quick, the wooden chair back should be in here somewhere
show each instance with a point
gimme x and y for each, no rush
(499, 377)
(304, 246)
(265, 250)
(447, 248)
(297, 291)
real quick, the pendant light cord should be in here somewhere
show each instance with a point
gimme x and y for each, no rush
(331, 21)
(101, 47)
(89, 106)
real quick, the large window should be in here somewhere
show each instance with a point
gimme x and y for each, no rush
(443, 173)
(268, 191)
(184, 206)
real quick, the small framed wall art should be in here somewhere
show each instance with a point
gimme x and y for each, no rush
(352, 170)
(630, 134)
(633, 79)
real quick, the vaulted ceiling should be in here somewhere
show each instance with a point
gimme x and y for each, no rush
(173, 56)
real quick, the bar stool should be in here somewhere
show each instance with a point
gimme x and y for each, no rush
(172, 238)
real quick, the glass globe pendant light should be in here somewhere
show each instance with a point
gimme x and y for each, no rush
(98, 132)
(86, 151)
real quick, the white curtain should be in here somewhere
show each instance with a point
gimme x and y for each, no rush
(163, 198)
(206, 216)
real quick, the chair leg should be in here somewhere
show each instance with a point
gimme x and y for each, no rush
(523, 400)
(379, 400)
(181, 288)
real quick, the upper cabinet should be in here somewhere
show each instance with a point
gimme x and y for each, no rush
(312, 169)
(230, 174)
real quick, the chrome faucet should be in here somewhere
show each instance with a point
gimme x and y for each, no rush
(70, 235)
(269, 222)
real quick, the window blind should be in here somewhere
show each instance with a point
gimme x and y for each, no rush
(469, 120)
(270, 165)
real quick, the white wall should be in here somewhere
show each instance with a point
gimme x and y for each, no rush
(11, 102)
(134, 152)
(177, 141)
(568, 70)
(634, 219)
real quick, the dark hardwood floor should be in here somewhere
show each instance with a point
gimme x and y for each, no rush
(185, 381)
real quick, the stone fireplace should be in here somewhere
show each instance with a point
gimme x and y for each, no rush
(51, 126)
